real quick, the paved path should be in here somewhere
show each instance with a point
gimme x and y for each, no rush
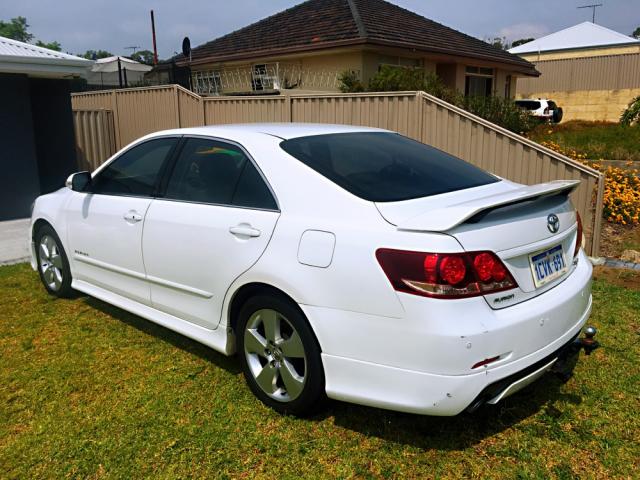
(617, 263)
(14, 241)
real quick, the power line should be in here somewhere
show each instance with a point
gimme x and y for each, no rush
(592, 6)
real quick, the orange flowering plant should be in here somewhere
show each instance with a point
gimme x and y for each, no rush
(621, 190)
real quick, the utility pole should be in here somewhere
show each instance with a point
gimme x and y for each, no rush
(153, 35)
(593, 7)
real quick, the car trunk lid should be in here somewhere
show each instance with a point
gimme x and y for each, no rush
(512, 220)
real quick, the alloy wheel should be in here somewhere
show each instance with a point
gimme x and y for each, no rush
(51, 265)
(275, 355)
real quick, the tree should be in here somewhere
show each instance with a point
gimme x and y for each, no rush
(95, 54)
(521, 41)
(143, 56)
(636, 33)
(16, 29)
(51, 45)
(499, 42)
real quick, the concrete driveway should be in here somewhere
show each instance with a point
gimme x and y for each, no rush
(14, 241)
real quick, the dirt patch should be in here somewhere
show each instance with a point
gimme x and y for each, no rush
(617, 238)
(618, 276)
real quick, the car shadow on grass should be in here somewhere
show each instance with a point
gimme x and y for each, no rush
(424, 432)
(454, 433)
(177, 340)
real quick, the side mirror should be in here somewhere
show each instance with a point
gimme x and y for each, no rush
(78, 182)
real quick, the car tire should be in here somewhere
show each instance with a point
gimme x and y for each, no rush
(557, 115)
(52, 262)
(280, 355)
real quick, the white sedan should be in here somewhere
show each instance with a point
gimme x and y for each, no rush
(338, 261)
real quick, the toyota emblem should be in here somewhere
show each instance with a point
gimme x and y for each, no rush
(553, 223)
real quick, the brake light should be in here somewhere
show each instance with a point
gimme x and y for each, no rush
(578, 235)
(445, 275)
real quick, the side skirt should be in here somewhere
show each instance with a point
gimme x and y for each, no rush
(218, 339)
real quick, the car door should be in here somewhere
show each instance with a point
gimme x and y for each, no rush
(104, 224)
(213, 223)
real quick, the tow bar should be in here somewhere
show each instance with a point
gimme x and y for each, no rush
(563, 368)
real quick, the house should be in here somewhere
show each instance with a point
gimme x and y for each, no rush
(117, 71)
(36, 123)
(589, 70)
(307, 47)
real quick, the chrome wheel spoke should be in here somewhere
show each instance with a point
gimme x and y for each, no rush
(57, 277)
(271, 324)
(292, 347)
(267, 378)
(254, 342)
(44, 252)
(47, 273)
(56, 260)
(292, 381)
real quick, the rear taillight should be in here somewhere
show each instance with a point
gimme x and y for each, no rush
(445, 275)
(578, 235)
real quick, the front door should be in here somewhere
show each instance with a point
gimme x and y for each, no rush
(214, 222)
(104, 225)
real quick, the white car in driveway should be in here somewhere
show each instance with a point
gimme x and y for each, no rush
(347, 261)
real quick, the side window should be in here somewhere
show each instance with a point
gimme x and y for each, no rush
(136, 171)
(252, 191)
(215, 172)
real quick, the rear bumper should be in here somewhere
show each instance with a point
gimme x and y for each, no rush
(422, 363)
(411, 391)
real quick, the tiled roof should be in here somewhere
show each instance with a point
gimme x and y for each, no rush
(318, 24)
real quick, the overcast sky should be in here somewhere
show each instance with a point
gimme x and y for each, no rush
(80, 25)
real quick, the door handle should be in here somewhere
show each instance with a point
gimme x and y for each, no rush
(132, 216)
(244, 230)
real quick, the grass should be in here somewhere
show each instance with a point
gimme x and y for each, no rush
(87, 390)
(598, 140)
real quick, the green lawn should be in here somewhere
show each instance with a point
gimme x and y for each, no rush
(87, 390)
(598, 140)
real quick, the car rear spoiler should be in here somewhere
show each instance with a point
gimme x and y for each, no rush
(448, 217)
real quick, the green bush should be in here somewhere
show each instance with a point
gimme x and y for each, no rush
(350, 82)
(632, 113)
(500, 111)
(397, 79)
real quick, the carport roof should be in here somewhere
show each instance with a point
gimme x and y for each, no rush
(20, 57)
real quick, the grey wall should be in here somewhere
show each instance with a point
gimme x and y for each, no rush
(19, 179)
(53, 131)
(37, 145)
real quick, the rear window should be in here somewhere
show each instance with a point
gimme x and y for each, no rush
(528, 104)
(385, 167)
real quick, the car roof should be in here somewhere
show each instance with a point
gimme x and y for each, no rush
(285, 131)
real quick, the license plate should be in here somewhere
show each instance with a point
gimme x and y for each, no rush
(547, 265)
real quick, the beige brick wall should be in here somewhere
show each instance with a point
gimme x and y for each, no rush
(592, 105)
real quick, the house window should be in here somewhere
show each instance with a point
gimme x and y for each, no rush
(206, 83)
(265, 77)
(478, 81)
